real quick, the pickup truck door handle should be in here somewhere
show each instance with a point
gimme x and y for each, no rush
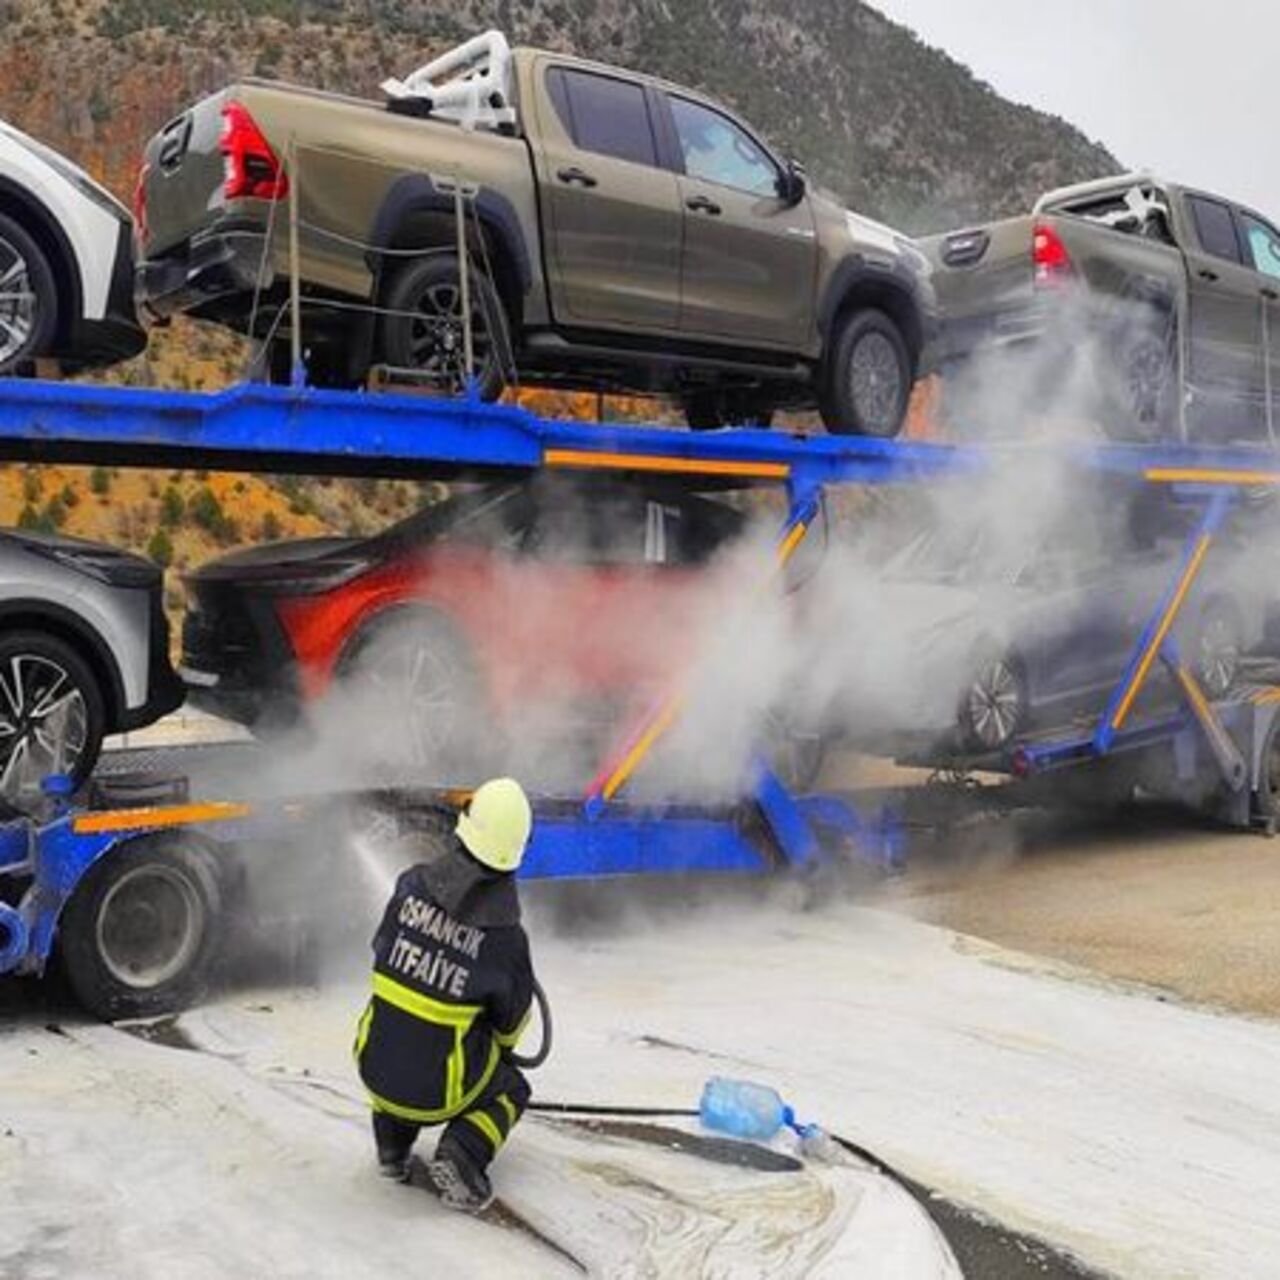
(576, 175)
(1205, 274)
(701, 204)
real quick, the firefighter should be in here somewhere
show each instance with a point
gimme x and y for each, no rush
(452, 989)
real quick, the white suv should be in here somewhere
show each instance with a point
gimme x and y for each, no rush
(66, 263)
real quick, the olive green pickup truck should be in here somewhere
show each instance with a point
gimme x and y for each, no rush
(1153, 307)
(623, 234)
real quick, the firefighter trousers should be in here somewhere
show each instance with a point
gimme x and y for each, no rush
(480, 1131)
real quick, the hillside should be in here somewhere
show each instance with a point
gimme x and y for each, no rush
(900, 130)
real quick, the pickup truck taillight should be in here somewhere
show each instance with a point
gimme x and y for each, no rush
(1049, 256)
(252, 169)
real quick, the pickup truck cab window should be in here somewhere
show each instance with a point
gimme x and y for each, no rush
(605, 115)
(717, 150)
(1264, 245)
(1215, 228)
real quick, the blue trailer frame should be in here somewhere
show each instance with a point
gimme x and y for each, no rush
(260, 428)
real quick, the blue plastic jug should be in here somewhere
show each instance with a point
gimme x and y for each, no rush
(743, 1109)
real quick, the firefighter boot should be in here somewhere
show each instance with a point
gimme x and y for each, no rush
(461, 1182)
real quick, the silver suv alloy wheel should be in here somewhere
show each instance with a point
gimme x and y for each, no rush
(44, 723)
(18, 302)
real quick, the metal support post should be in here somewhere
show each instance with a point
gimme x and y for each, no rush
(464, 282)
(1157, 630)
(617, 773)
(297, 374)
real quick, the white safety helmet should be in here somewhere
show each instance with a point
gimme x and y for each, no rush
(495, 826)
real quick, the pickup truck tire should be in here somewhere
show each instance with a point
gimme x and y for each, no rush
(143, 930)
(28, 299)
(433, 345)
(1144, 402)
(866, 377)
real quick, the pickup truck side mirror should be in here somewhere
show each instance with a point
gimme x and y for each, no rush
(791, 183)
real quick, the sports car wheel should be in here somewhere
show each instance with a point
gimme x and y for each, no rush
(51, 714)
(993, 708)
(411, 674)
(28, 298)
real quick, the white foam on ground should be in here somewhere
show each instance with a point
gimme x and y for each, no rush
(1143, 1135)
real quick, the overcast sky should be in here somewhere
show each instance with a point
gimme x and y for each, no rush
(1186, 88)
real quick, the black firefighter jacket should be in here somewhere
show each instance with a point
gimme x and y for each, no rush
(452, 987)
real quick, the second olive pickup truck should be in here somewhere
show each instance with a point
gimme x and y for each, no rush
(1167, 298)
(626, 234)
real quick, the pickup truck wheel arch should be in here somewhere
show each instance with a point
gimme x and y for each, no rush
(413, 198)
(857, 284)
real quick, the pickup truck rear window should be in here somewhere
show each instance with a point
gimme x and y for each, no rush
(607, 116)
(1215, 227)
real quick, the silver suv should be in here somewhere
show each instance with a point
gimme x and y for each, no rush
(84, 651)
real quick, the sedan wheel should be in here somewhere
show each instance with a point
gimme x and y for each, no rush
(994, 706)
(1217, 651)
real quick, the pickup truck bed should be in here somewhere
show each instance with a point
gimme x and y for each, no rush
(1146, 305)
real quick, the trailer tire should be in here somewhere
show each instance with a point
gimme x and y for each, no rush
(143, 931)
(1267, 795)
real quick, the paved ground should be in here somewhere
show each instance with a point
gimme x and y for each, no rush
(1149, 896)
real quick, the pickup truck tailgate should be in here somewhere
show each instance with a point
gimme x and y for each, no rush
(983, 278)
(181, 182)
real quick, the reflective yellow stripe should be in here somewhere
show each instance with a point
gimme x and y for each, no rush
(424, 1007)
(362, 1031)
(509, 1039)
(419, 1115)
(509, 1108)
(453, 1071)
(486, 1126)
(593, 460)
(1199, 475)
(173, 816)
(1267, 697)
(1139, 676)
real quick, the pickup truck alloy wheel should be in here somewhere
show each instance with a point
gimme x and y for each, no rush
(51, 714)
(867, 378)
(425, 331)
(28, 298)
